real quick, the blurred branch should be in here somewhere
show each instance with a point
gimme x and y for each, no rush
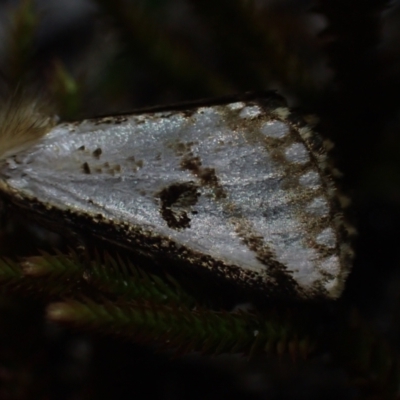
(24, 23)
(253, 46)
(66, 91)
(156, 48)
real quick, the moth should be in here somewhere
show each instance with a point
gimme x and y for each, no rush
(240, 187)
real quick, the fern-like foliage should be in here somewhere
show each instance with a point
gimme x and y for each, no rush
(186, 330)
(122, 279)
(133, 304)
(44, 276)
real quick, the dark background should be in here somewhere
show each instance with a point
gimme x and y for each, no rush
(336, 59)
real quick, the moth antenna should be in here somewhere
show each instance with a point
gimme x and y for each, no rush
(24, 119)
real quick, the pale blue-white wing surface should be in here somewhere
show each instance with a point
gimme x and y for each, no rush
(236, 182)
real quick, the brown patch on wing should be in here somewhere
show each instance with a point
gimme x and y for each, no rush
(207, 175)
(176, 200)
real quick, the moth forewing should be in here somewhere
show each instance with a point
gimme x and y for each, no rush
(240, 188)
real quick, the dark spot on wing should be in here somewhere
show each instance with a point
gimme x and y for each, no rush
(137, 164)
(176, 201)
(110, 169)
(97, 153)
(86, 168)
(82, 148)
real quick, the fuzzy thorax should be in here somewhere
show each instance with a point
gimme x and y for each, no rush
(23, 121)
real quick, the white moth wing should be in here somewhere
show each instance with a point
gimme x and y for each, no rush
(234, 182)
